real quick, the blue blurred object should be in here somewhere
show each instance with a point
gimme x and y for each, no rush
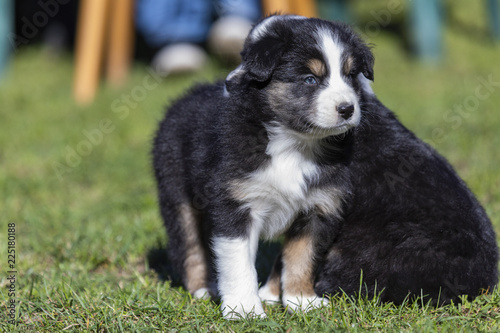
(6, 32)
(168, 21)
(426, 29)
(494, 12)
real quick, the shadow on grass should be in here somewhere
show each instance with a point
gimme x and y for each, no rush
(158, 261)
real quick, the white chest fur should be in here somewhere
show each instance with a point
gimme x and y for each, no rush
(278, 191)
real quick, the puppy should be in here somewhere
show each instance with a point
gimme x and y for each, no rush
(286, 146)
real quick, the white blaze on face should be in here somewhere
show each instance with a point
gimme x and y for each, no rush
(337, 90)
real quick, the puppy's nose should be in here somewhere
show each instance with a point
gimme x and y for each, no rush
(345, 110)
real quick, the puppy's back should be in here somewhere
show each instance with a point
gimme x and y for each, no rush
(198, 107)
(184, 140)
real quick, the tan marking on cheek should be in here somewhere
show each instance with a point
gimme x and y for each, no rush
(298, 262)
(195, 262)
(317, 67)
(348, 64)
(278, 89)
(279, 95)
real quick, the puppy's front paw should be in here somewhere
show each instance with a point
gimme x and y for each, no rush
(234, 310)
(303, 303)
(267, 295)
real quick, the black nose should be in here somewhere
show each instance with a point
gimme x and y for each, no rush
(345, 110)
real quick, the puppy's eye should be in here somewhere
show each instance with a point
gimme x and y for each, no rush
(310, 80)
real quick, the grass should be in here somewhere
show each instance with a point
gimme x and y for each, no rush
(77, 183)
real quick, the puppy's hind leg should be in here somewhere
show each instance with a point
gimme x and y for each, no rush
(195, 262)
(186, 249)
(298, 274)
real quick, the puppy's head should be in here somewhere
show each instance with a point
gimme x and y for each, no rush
(312, 73)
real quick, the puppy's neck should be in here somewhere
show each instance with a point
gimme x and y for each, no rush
(284, 140)
(329, 150)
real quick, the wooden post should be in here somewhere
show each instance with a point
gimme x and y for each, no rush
(6, 33)
(275, 6)
(91, 30)
(305, 8)
(121, 41)
(299, 7)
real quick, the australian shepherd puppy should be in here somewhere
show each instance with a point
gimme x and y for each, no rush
(295, 143)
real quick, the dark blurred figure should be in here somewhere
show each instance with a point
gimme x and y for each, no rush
(52, 22)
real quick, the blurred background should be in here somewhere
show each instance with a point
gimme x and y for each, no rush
(172, 36)
(84, 83)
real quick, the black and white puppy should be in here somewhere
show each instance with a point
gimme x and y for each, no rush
(295, 143)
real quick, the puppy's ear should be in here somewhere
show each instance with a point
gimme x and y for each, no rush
(261, 58)
(262, 52)
(368, 61)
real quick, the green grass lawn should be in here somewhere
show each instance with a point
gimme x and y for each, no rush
(77, 183)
